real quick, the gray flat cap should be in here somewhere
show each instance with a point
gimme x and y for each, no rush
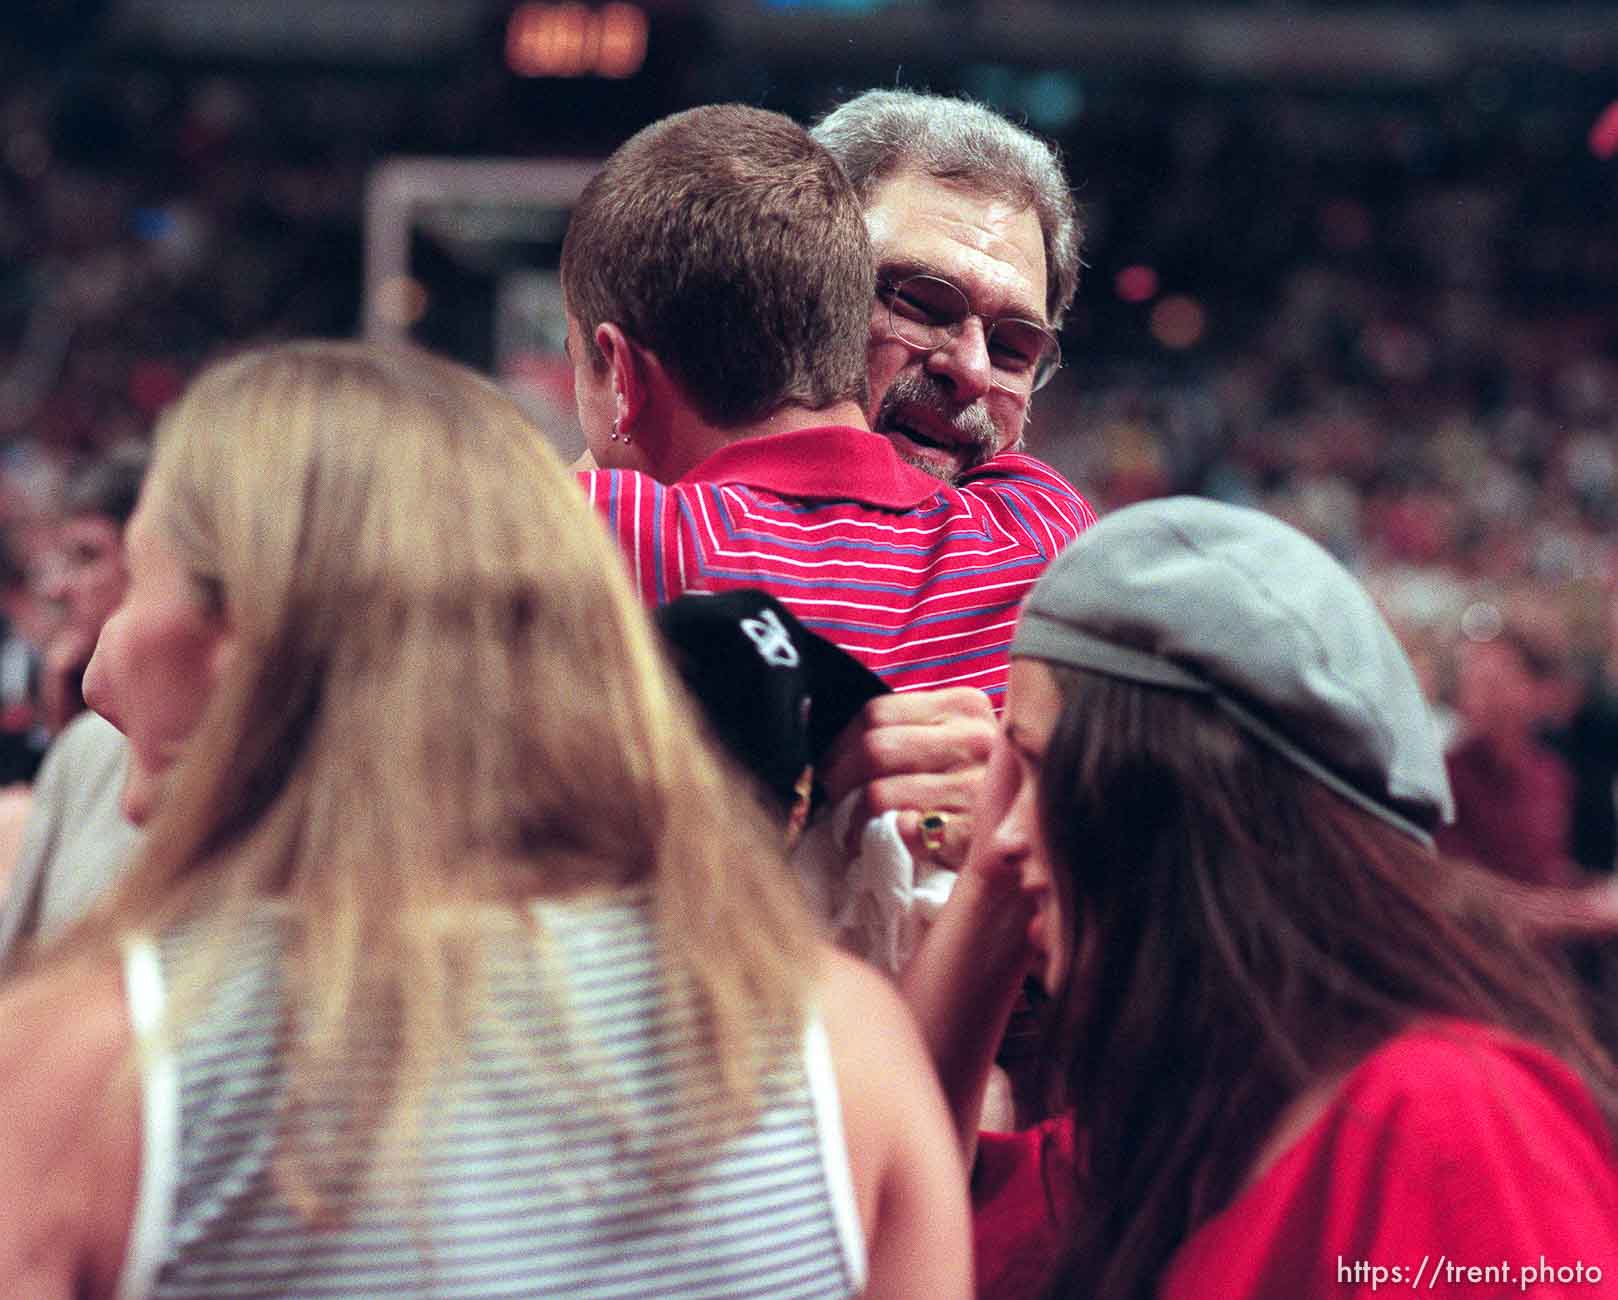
(1200, 596)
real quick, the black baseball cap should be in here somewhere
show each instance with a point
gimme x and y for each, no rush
(776, 694)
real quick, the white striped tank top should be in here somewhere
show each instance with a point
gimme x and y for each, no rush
(525, 1192)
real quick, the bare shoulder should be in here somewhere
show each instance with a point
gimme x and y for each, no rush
(69, 1149)
(903, 1156)
(876, 1054)
(857, 996)
(906, 1166)
(876, 1044)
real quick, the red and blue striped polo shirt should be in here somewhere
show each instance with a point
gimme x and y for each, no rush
(918, 579)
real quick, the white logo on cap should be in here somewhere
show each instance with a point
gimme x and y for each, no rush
(774, 645)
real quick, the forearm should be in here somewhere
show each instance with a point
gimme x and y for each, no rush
(961, 986)
(1581, 912)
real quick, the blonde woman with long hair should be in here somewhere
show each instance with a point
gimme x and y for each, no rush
(453, 965)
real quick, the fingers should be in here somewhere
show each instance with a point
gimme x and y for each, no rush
(951, 792)
(904, 750)
(936, 836)
(901, 735)
(917, 753)
(953, 795)
(949, 703)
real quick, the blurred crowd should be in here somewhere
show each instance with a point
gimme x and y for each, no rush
(1390, 326)
(376, 832)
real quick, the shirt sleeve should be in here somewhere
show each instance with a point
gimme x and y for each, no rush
(19, 906)
(1515, 1191)
(1049, 507)
(648, 521)
(1457, 1168)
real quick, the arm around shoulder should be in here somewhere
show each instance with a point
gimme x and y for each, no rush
(908, 1179)
(1017, 469)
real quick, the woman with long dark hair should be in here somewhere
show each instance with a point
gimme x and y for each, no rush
(1298, 1053)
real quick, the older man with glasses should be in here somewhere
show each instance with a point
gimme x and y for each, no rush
(976, 246)
(976, 241)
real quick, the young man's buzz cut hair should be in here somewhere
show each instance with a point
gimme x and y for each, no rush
(729, 243)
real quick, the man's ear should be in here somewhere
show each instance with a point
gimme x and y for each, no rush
(626, 367)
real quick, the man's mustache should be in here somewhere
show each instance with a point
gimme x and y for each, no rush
(972, 424)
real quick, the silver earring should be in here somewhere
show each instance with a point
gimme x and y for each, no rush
(616, 435)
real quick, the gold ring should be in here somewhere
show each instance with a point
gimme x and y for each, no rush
(933, 826)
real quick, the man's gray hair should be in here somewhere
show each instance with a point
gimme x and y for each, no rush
(881, 132)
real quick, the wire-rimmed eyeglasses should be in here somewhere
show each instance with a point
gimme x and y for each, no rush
(925, 312)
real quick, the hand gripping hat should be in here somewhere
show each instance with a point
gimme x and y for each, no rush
(1228, 602)
(775, 693)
